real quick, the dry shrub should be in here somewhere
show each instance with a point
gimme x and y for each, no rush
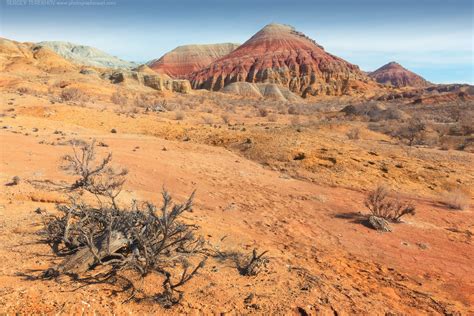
(247, 265)
(93, 176)
(225, 118)
(457, 199)
(105, 242)
(382, 205)
(252, 265)
(353, 134)
(412, 131)
(71, 94)
(144, 100)
(293, 110)
(179, 115)
(119, 98)
(262, 112)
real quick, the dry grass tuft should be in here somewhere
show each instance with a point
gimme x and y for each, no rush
(457, 200)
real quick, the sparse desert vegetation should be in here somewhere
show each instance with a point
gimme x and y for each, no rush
(312, 149)
(282, 182)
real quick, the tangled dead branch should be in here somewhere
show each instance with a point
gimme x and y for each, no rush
(253, 264)
(141, 238)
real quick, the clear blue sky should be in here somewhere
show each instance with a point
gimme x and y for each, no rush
(431, 37)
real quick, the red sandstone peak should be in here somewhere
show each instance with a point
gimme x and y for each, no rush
(280, 54)
(183, 60)
(395, 75)
(277, 37)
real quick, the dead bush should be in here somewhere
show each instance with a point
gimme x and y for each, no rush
(119, 98)
(105, 242)
(262, 112)
(457, 199)
(225, 118)
(252, 265)
(293, 110)
(71, 94)
(247, 265)
(96, 177)
(411, 131)
(382, 205)
(353, 134)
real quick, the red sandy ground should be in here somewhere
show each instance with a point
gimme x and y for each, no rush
(323, 260)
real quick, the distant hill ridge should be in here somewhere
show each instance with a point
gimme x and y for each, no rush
(86, 55)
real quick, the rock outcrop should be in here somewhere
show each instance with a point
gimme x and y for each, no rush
(395, 75)
(279, 54)
(184, 60)
(155, 81)
(86, 55)
(260, 90)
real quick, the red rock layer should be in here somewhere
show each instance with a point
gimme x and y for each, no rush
(280, 54)
(183, 60)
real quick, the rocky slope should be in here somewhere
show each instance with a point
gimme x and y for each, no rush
(261, 90)
(183, 60)
(280, 54)
(86, 55)
(21, 58)
(397, 76)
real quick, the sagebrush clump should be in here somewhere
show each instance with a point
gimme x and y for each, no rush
(385, 208)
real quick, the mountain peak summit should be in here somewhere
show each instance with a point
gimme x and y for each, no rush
(278, 27)
(398, 76)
